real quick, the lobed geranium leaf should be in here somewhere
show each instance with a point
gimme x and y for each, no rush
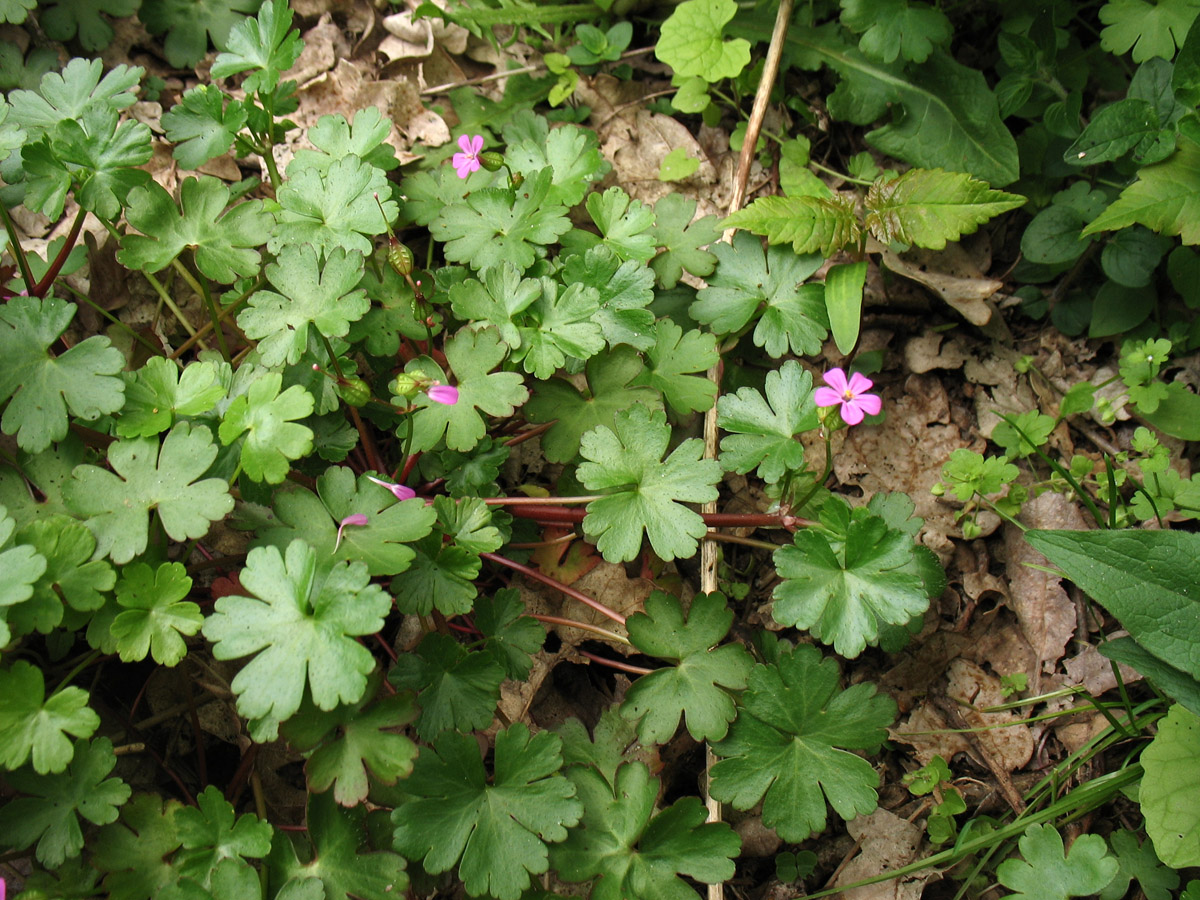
(681, 240)
(66, 95)
(83, 380)
(50, 812)
(631, 850)
(71, 574)
(64, 20)
(472, 355)
(133, 851)
(441, 576)
(497, 224)
(323, 296)
(457, 689)
(896, 28)
(645, 492)
(223, 239)
(789, 746)
(265, 47)
(34, 727)
(203, 125)
(213, 837)
(698, 686)
(1047, 873)
(561, 325)
(189, 24)
(334, 208)
(625, 289)
(1138, 860)
(267, 417)
(345, 743)
(1148, 29)
(627, 226)
(509, 636)
(155, 616)
(498, 297)
(570, 151)
(331, 862)
(672, 362)
(764, 431)
(160, 391)
(300, 626)
(497, 831)
(335, 138)
(749, 283)
(147, 476)
(609, 390)
(927, 207)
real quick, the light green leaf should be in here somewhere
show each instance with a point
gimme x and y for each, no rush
(160, 392)
(1149, 29)
(843, 300)
(764, 432)
(691, 41)
(927, 207)
(1172, 774)
(268, 415)
(1046, 873)
(33, 726)
(1165, 198)
(811, 223)
(156, 615)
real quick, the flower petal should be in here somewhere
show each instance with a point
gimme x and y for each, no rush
(836, 379)
(852, 413)
(860, 383)
(465, 142)
(824, 396)
(869, 403)
(446, 394)
(398, 490)
(476, 145)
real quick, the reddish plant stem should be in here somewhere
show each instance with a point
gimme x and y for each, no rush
(42, 287)
(554, 583)
(529, 433)
(557, 514)
(612, 663)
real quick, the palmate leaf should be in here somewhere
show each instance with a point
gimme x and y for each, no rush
(496, 224)
(62, 20)
(300, 626)
(626, 225)
(847, 581)
(749, 283)
(645, 492)
(382, 543)
(83, 380)
(189, 23)
(1165, 198)
(927, 207)
(213, 835)
(267, 418)
(632, 851)
(334, 208)
(457, 689)
(34, 727)
(49, 813)
(1048, 874)
(23, 567)
(133, 850)
(1141, 862)
(331, 862)
(789, 747)
(344, 743)
(763, 432)
(155, 614)
(160, 392)
(224, 240)
(681, 240)
(498, 297)
(335, 138)
(562, 325)
(625, 290)
(147, 476)
(203, 124)
(265, 47)
(1148, 29)
(509, 636)
(497, 830)
(673, 361)
(896, 28)
(697, 686)
(71, 574)
(570, 151)
(66, 95)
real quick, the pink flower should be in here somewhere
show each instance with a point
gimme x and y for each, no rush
(400, 491)
(467, 161)
(355, 519)
(446, 394)
(852, 395)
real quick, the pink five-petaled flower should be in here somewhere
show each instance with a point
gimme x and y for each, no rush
(446, 394)
(852, 395)
(400, 491)
(353, 519)
(467, 161)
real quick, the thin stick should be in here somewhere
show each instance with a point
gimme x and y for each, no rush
(614, 664)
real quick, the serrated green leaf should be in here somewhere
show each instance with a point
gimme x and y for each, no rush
(845, 587)
(1165, 198)
(626, 225)
(495, 224)
(213, 837)
(764, 431)
(265, 47)
(34, 727)
(698, 686)
(1138, 861)
(331, 862)
(749, 282)
(346, 742)
(440, 577)
(133, 852)
(50, 812)
(156, 615)
(83, 381)
(457, 689)
(147, 476)
(691, 41)
(223, 239)
(609, 377)
(561, 325)
(632, 851)
(624, 289)
(969, 473)
(323, 296)
(1148, 29)
(571, 152)
(496, 832)
(1113, 131)
(927, 207)
(70, 575)
(510, 636)
(789, 747)
(66, 95)
(1045, 872)
(300, 626)
(335, 208)
(63, 20)
(681, 240)
(472, 355)
(203, 124)
(273, 437)
(811, 224)
(645, 492)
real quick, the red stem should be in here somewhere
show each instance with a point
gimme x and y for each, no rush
(557, 514)
(554, 583)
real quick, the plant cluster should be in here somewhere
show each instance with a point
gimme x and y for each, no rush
(337, 443)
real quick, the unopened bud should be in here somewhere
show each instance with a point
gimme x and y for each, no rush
(491, 160)
(405, 385)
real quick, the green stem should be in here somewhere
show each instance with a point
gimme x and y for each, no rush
(83, 664)
(84, 298)
(816, 485)
(14, 245)
(836, 174)
(201, 288)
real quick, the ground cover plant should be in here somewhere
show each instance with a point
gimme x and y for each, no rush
(522, 450)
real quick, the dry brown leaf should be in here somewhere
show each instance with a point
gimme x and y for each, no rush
(934, 350)
(888, 842)
(966, 293)
(1046, 613)
(1009, 746)
(926, 731)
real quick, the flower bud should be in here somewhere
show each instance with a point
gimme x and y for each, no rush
(405, 385)
(354, 391)
(491, 160)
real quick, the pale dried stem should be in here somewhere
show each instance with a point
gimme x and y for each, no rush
(708, 549)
